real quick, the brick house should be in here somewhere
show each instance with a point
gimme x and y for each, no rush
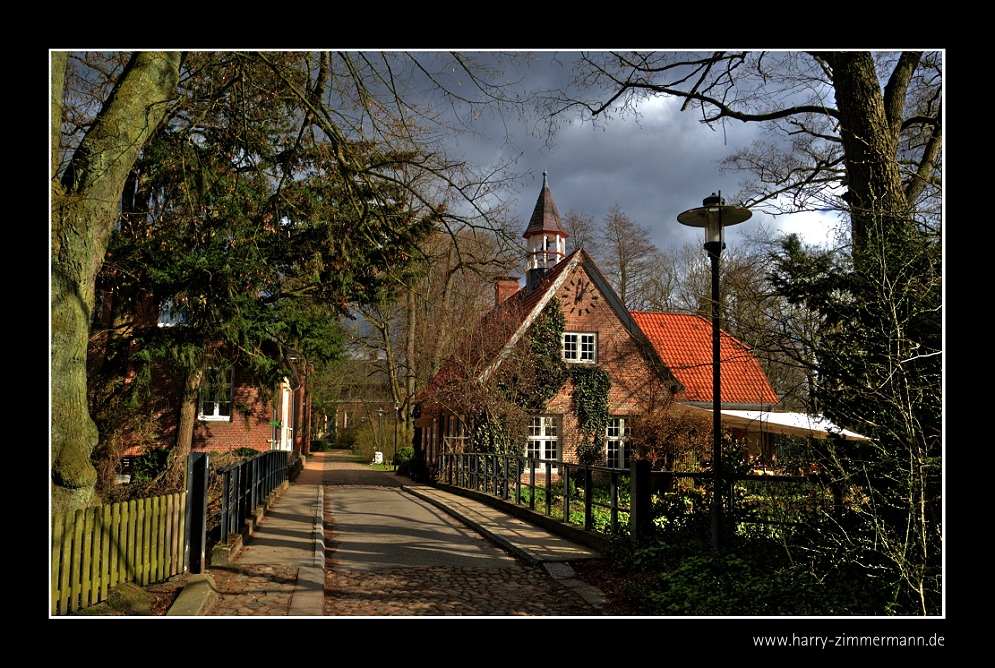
(598, 331)
(363, 395)
(653, 360)
(232, 413)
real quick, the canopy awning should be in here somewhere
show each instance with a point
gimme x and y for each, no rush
(794, 424)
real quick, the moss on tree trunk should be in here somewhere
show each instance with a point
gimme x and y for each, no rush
(85, 201)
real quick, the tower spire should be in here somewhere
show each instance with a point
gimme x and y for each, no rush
(545, 236)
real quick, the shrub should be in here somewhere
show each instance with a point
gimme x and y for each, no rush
(346, 439)
(405, 460)
(741, 584)
(149, 465)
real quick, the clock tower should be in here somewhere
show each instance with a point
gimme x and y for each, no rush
(545, 237)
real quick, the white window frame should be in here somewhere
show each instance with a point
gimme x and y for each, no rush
(580, 347)
(616, 443)
(544, 441)
(216, 410)
(170, 316)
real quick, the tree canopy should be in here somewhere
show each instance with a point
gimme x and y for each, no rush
(847, 131)
(859, 134)
(255, 187)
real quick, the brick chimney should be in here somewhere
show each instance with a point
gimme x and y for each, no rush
(504, 287)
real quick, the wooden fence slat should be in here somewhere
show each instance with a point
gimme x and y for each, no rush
(58, 526)
(129, 575)
(96, 570)
(86, 564)
(75, 560)
(153, 531)
(142, 543)
(150, 533)
(117, 550)
(164, 533)
(164, 536)
(107, 559)
(171, 535)
(152, 526)
(181, 535)
(157, 544)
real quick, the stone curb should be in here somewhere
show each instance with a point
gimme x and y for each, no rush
(197, 597)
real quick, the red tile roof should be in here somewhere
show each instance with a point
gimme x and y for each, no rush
(684, 342)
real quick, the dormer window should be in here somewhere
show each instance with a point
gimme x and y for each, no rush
(580, 347)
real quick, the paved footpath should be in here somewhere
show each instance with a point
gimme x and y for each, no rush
(281, 570)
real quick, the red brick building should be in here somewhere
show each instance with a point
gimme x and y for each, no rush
(653, 360)
(232, 412)
(598, 331)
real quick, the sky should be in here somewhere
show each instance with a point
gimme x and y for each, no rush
(653, 168)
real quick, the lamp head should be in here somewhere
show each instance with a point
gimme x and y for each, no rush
(714, 216)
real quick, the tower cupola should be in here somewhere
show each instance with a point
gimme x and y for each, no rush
(545, 237)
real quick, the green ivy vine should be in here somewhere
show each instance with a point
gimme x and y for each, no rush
(538, 379)
(543, 371)
(591, 386)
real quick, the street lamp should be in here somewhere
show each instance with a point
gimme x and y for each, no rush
(379, 439)
(395, 436)
(714, 215)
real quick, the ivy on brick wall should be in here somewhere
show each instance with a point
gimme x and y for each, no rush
(541, 371)
(530, 381)
(590, 399)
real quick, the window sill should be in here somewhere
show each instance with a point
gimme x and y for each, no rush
(214, 418)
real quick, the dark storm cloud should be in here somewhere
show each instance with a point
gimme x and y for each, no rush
(653, 166)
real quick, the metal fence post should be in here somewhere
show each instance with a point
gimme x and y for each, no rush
(588, 488)
(566, 492)
(639, 499)
(196, 538)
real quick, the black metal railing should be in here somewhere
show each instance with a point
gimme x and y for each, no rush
(599, 498)
(594, 497)
(245, 484)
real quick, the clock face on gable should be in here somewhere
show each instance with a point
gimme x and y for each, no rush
(581, 296)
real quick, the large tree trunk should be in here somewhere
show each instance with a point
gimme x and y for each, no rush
(869, 129)
(84, 209)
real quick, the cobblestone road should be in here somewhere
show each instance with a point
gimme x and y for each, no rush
(512, 589)
(517, 589)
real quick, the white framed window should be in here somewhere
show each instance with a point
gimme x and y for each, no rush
(543, 442)
(216, 394)
(580, 347)
(619, 450)
(170, 315)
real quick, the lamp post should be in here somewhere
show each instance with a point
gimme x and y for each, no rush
(380, 412)
(714, 215)
(395, 436)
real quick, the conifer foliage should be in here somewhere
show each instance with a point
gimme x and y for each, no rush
(259, 196)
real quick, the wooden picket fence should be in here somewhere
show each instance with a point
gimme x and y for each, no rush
(94, 549)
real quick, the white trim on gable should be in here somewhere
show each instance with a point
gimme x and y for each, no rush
(531, 317)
